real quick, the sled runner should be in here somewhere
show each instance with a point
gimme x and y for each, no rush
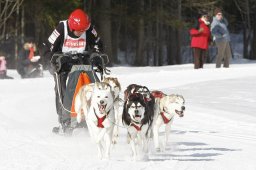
(83, 68)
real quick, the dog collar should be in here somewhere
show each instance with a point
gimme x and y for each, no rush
(138, 128)
(165, 119)
(100, 120)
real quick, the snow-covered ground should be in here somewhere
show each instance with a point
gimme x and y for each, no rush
(218, 131)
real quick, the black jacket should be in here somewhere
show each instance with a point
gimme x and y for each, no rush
(92, 39)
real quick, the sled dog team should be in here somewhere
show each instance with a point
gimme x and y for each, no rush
(144, 112)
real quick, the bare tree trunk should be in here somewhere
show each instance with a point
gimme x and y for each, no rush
(16, 32)
(116, 34)
(105, 28)
(253, 48)
(8, 8)
(160, 36)
(126, 33)
(22, 24)
(156, 56)
(178, 55)
(140, 38)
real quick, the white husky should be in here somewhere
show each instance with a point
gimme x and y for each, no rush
(165, 109)
(116, 87)
(96, 102)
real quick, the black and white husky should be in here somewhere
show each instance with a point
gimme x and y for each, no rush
(147, 96)
(96, 102)
(138, 120)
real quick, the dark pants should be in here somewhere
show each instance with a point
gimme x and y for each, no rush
(199, 57)
(60, 88)
(64, 92)
(224, 54)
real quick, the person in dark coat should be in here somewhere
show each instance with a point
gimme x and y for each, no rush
(200, 38)
(28, 65)
(74, 35)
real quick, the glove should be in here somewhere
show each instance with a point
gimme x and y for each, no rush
(96, 49)
(61, 63)
(35, 59)
(54, 64)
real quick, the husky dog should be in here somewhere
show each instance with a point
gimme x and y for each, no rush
(134, 88)
(116, 87)
(147, 96)
(138, 121)
(83, 102)
(97, 105)
(165, 108)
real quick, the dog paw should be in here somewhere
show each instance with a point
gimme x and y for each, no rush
(145, 157)
(114, 141)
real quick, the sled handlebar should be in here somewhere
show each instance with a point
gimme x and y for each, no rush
(95, 59)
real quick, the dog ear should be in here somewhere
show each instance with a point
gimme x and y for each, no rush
(125, 116)
(161, 103)
(133, 90)
(172, 98)
(87, 91)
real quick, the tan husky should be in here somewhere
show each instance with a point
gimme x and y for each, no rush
(166, 107)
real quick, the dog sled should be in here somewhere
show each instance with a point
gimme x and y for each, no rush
(84, 68)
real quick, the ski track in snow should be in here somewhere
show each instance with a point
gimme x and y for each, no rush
(217, 131)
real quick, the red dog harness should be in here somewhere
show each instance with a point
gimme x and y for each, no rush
(138, 128)
(158, 94)
(165, 119)
(100, 120)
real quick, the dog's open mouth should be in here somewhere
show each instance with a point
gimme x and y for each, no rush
(102, 107)
(137, 116)
(180, 113)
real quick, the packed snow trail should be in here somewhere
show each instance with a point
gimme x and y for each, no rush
(217, 131)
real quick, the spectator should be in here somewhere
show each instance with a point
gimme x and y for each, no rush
(221, 37)
(200, 38)
(28, 65)
(3, 68)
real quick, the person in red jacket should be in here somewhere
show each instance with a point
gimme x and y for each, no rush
(200, 38)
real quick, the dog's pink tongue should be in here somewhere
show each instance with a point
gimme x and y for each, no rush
(101, 108)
